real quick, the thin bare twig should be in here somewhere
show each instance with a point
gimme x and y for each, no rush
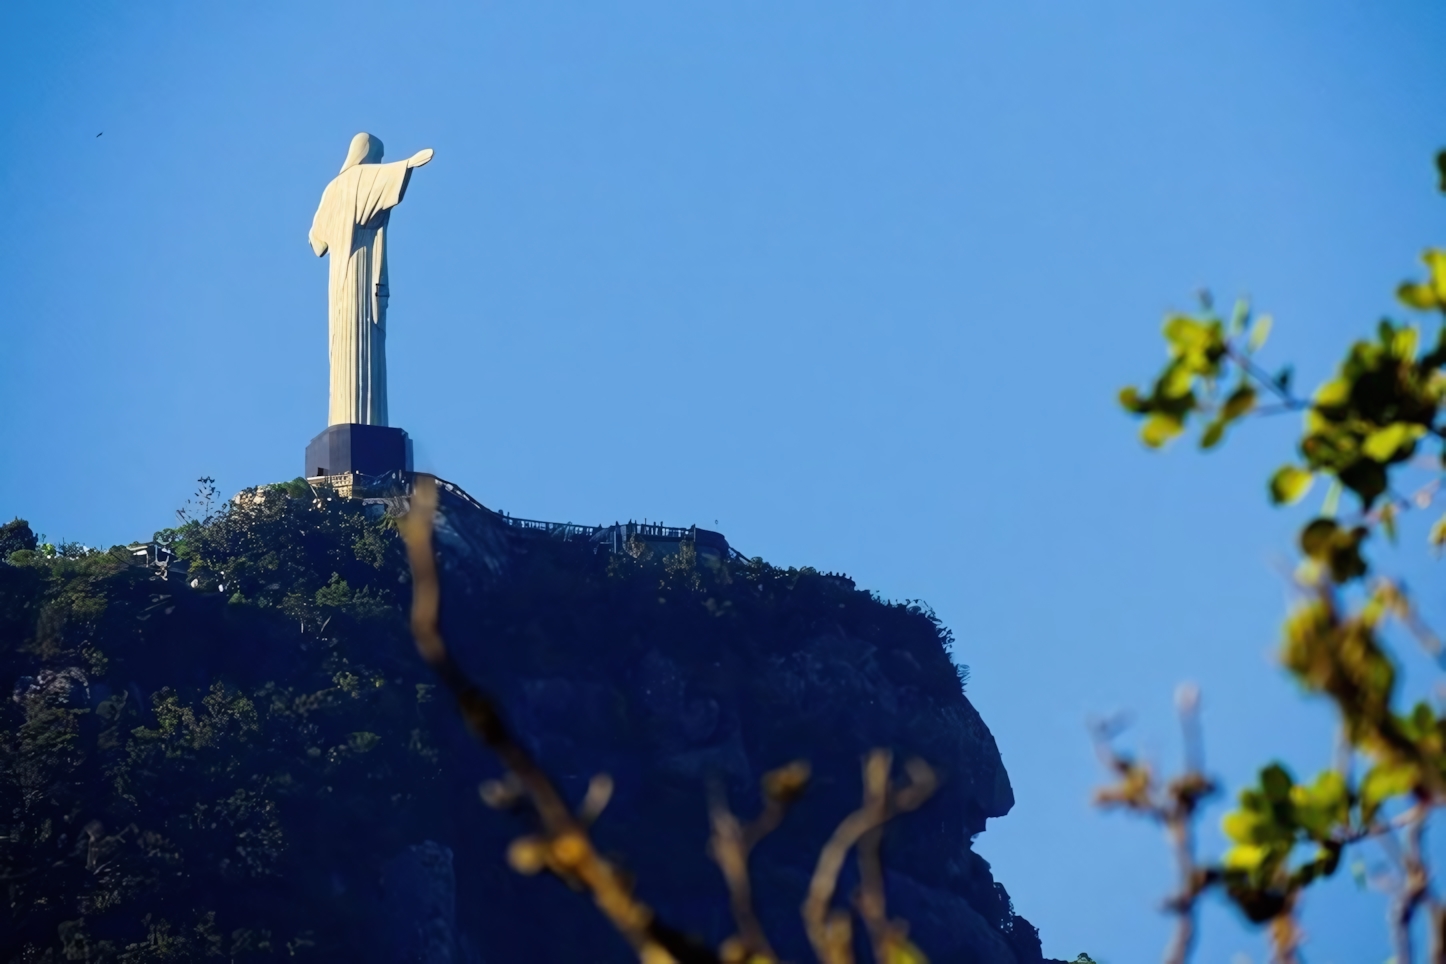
(1415, 888)
(732, 843)
(564, 846)
(887, 937)
(1395, 594)
(830, 930)
(1263, 377)
(1266, 411)
(1174, 807)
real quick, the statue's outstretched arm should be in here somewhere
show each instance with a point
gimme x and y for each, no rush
(317, 245)
(420, 158)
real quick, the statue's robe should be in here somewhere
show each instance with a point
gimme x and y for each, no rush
(351, 223)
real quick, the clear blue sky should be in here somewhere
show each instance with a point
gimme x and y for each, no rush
(858, 281)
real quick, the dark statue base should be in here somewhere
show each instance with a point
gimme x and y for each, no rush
(358, 450)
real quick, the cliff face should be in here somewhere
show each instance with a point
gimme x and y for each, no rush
(260, 764)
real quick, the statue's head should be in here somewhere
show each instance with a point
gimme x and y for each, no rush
(365, 149)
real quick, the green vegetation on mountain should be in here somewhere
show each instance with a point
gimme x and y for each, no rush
(242, 757)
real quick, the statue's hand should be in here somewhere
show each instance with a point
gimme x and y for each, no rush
(420, 158)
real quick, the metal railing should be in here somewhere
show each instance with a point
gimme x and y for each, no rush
(614, 536)
(563, 530)
(460, 493)
(648, 530)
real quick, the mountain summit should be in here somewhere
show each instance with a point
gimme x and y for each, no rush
(223, 743)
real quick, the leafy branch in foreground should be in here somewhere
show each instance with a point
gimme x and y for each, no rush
(1362, 430)
(562, 845)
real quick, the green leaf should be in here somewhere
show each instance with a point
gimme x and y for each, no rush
(1366, 478)
(1404, 344)
(1176, 382)
(1432, 293)
(1185, 333)
(1417, 296)
(1422, 719)
(1246, 857)
(1384, 781)
(1435, 259)
(1398, 438)
(1212, 435)
(1385, 333)
(1276, 782)
(1240, 825)
(1160, 428)
(1131, 401)
(1290, 484)
(1344, 555)
(1259, 332)
(1317, 537)
(1321, 807)
(1333, 393)
(1437, 537)
(1329, 790)
(1239, 404)
(1197, 344)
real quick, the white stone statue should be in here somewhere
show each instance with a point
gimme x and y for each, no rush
(351, 223)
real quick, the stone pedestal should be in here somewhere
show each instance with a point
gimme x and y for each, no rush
(369, 450)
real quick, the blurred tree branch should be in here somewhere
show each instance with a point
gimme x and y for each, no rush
(564, 847)
(1173, 805)
(1361, 430)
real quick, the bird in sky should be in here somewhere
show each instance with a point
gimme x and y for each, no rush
(102, 132)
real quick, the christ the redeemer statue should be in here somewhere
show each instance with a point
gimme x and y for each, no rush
(351, 223)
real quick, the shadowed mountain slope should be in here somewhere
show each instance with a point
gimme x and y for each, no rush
(248, 758)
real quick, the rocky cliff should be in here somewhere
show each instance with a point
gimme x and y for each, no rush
(248, 759)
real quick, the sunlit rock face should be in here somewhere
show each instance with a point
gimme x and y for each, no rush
(252, 747)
